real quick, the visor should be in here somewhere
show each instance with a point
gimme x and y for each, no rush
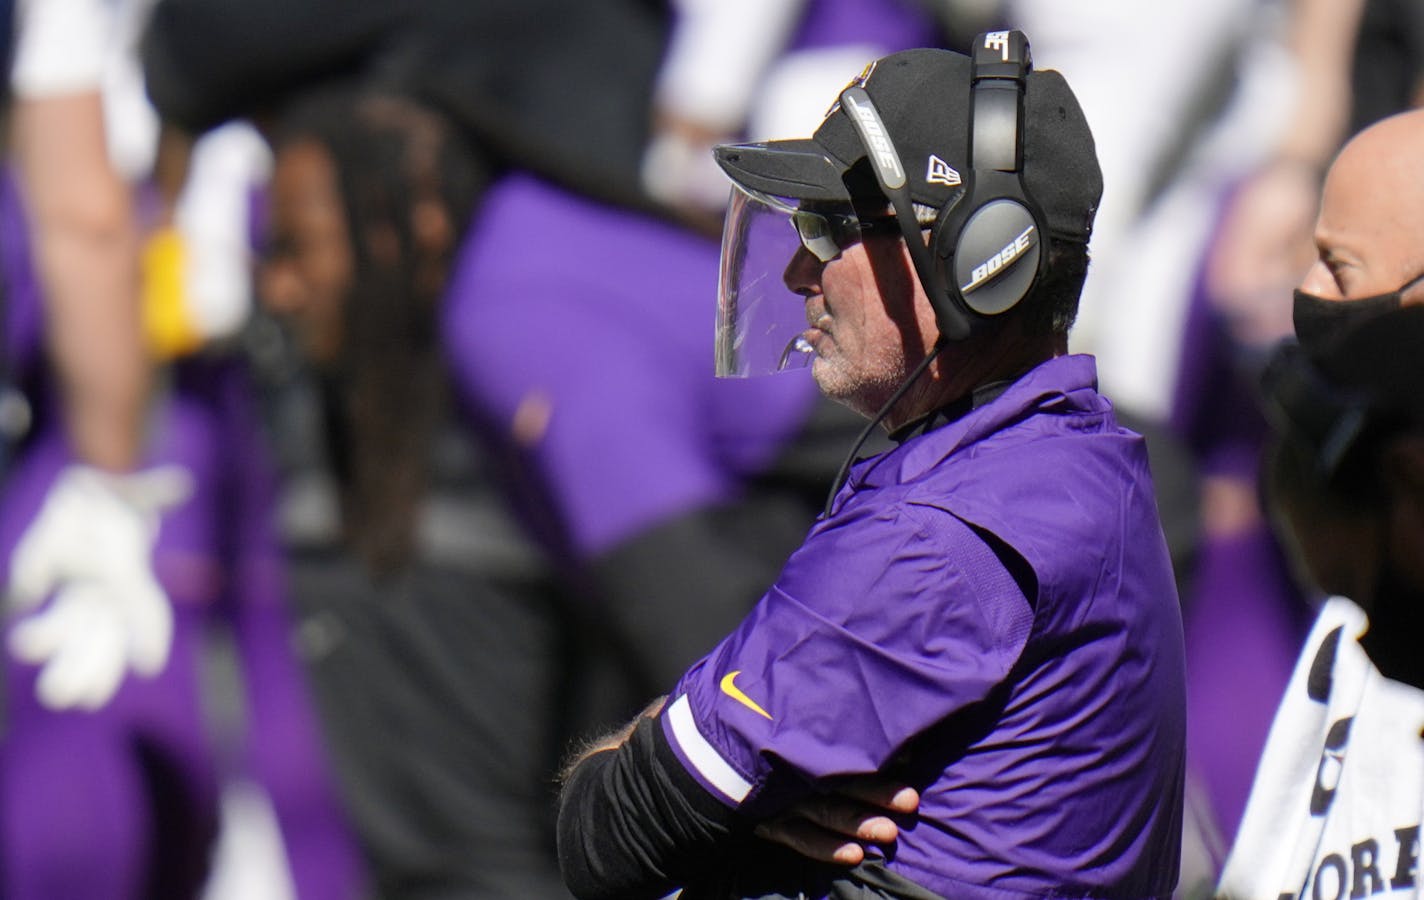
(761, 321)
(796, 168)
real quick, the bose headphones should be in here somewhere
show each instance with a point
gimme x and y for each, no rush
(987, 240)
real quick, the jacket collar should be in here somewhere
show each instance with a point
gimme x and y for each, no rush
(1064, 384)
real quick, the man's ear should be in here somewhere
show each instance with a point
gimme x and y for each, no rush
(901, 293)
(435, 240)
(430, 224)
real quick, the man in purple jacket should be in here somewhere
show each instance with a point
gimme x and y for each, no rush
(985, 612)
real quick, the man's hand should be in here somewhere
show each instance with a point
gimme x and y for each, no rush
(834, 828)
(91, 547)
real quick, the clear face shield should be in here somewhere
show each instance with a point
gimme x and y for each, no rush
(761, 322)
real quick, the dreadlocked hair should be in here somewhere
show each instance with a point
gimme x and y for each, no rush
(409, 183)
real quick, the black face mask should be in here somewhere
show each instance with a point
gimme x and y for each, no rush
(1318, 322)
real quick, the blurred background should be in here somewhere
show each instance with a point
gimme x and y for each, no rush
(360, 443)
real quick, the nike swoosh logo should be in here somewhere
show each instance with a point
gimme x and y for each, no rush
(730, 688)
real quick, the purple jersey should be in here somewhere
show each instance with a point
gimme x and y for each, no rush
(990, 612)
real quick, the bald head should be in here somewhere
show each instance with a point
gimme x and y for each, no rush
(1370, 234)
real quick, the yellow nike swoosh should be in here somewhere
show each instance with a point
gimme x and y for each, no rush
(731, 690)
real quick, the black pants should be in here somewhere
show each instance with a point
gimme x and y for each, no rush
(440, 694)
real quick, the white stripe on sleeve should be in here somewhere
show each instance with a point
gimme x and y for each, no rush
(703, 756)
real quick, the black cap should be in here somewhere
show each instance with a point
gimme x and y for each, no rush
(923, 96)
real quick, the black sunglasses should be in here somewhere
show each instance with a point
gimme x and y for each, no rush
(827, 235)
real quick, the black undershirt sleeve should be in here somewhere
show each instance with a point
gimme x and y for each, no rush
(634, 824)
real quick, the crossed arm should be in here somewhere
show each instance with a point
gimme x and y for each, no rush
(634, 822)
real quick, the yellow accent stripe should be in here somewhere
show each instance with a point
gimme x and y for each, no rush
(167, 322)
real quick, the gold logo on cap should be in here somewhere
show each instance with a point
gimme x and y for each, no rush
(857, 81)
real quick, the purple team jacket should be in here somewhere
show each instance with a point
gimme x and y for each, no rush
(1039, 706)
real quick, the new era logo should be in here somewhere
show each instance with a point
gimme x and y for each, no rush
(941, 172)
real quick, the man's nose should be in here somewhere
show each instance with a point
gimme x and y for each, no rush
(803, 273)
(1321, 283)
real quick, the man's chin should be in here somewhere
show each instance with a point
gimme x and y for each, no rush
(832, 381)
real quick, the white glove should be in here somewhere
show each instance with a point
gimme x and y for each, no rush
(91, 546)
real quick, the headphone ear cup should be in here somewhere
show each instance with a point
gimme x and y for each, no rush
(996, 257)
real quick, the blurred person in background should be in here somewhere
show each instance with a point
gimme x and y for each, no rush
(1338, 796)
(434, 632)
(1337, 802)
(430, 620)
(1347, 73)
(134, 539)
